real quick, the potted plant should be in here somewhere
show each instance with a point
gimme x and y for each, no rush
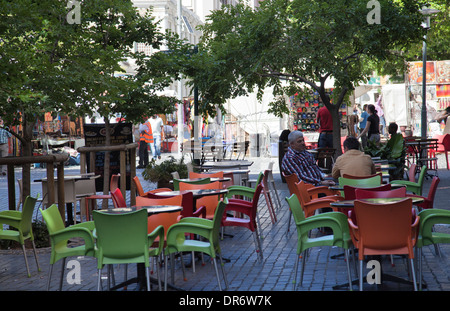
(161, 173)
(393, 150)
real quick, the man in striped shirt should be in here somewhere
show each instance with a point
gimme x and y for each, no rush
(299, 161)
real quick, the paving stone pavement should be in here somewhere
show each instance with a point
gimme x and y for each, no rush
(245, 273)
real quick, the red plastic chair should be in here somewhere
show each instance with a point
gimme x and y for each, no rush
(118, 198)
(429, 200)
(369, 194)
(349, 191)
(210, 202)
(443, 145)
(384, 229)
(248, 222)
(412, 172)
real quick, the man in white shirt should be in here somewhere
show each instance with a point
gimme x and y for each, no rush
(158, 134)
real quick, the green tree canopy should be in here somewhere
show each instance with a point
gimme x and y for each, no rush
(295, 44)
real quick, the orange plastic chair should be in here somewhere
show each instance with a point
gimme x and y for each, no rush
(164, 219)
(138, 185)
(248, 222)
(429, 200)
(210, 202)
(310, 205)
(384, 229)
(291, 180)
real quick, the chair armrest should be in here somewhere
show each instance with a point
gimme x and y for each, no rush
(200, 212)
(240, 208)
(354, 232)
(16, 214)
(312, 206)
(404, 182)
(321, 189)
(10, 220)
(158, 232)
(79, 232)
(188, 225)
(335, 221)
(90, 225)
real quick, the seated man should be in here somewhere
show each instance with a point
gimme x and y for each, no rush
(299, 161)
(353, 161)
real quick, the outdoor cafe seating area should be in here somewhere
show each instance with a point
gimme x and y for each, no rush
(367, 217)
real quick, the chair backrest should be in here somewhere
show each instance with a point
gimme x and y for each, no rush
(446, 142)
(164, 219)
(27, 215)
(433, 187)
(53, 219)
(422, 174)
(210, 202)
(138, 185)
(175, 175)
(176, 182)
(361, 177)
(193, 175)
(350, 191)
(369, 194)
(385, 227)
(296, 208)
(291, 180)
(20, 183)
(129, 244)
(114, 182)
(412, 172)
(159, 190)
(118, 199)
(366, 182)
(301, 190)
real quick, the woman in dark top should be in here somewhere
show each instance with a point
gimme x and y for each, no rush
(372, 126)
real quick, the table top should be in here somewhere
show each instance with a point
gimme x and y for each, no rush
(70, 177)
(351, 203)
(196, 193)
(151, 210)
(226, 163)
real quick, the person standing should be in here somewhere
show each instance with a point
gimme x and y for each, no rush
(299, 161)
(145, 139)
(443, 116)
(362, 125)
(158, 134)
(372, 126)
(382, 123)
(325, 121)
(4, 148)
(353, 161)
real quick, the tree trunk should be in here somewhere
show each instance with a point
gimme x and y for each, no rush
(27, 150)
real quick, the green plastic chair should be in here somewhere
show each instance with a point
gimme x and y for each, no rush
(414, 187)
(59, 238)
(205, 228)
(176, 182)
(335, 220)
(130, 244)
(374, 181)
(427, 236)
(22, 222)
